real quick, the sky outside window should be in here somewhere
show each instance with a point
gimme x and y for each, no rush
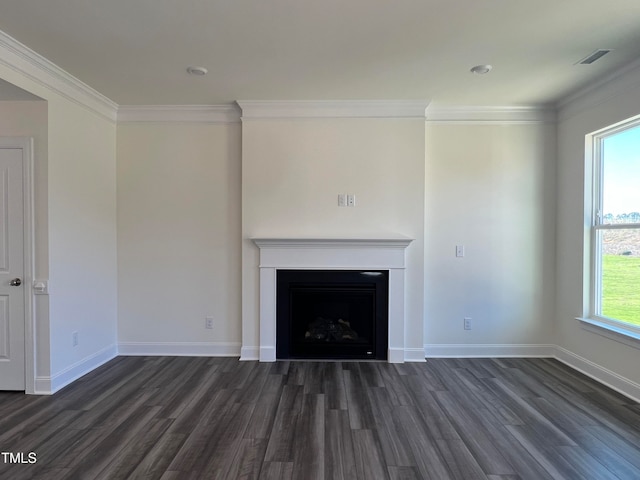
(621, 172)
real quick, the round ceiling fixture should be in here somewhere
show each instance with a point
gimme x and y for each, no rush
(198, 71)
(481, 69)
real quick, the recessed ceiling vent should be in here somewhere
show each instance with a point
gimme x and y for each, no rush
(598, 54)
(197, 71)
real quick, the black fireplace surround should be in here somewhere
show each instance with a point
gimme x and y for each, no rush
(332, 314)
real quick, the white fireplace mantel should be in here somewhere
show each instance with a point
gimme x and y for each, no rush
(332, 254)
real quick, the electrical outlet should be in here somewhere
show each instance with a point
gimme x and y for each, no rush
(459, 250)
(467, 323)
(74, 339)
(208, 323)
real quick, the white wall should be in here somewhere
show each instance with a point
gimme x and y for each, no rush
(490, 188)
(179, 238)
(292, 173)
(80, 231)
(82, 236)
(600, 107)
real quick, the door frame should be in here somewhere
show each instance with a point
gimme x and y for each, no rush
(26, 144)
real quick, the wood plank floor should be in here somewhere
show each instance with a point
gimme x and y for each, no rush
(218, 418)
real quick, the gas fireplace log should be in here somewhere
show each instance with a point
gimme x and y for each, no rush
(330, 330)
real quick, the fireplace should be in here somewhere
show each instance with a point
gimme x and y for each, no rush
(332, 314)
(331, 254)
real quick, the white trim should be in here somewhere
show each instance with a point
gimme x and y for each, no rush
(28, 193)
(265, 109)
(182, 349)
(42, 386)
(50, 385)
(25, 61)
(594, 165)
(489, 115)
(267, 354)
(624, 81)
(628, 336)
(488, 350)
(178, 114)
(249, 353)
(26, 144)
(395, 355)
(321, 243)
(600, 374)
(385, 253)
(617, 226)
(414, 355)
(594, 242)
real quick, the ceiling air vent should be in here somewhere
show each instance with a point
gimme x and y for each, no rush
(594, 56)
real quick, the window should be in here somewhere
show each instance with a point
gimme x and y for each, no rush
(615, 231)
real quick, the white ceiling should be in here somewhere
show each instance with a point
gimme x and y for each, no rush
(136, 52)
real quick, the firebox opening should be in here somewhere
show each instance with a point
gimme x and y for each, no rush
(324, 314)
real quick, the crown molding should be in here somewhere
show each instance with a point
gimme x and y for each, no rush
(266, 109)
(498, 115)
(624, 81)
(38, 69)
(178, 114)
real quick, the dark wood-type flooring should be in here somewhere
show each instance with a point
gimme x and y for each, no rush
(217, 418)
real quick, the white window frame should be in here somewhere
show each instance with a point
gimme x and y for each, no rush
(595, 319)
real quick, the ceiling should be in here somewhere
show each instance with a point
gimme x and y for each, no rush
(136, 52)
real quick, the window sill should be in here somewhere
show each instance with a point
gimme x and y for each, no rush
(612, 332)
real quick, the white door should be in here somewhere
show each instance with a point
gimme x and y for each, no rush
(12, 350)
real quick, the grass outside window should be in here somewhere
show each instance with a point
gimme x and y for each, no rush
(621, 288)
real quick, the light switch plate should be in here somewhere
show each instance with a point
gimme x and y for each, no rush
(351, 200)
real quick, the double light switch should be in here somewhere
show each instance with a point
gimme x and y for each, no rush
(346, 200)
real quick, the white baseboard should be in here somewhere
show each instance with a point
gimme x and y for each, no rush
(42, 386)
(606, 377)
(488, 350)
(599, 373)
(267, 354)
(395, 355)
(414, 355)
(180, 349)
(50, 385)
(249, 353)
